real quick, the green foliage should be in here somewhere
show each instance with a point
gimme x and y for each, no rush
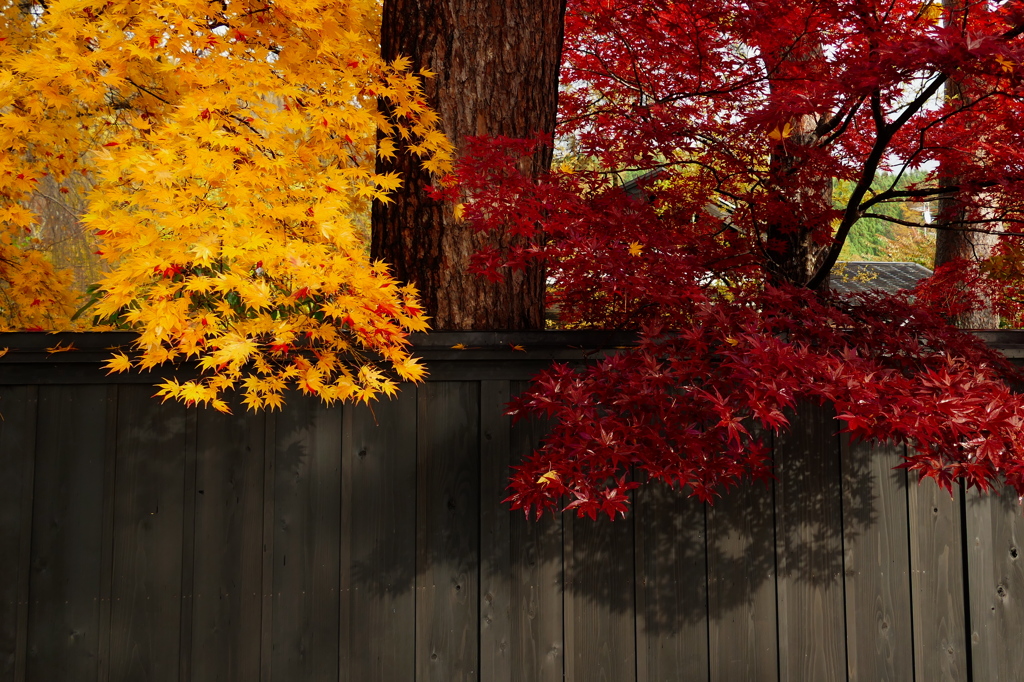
(878, 239)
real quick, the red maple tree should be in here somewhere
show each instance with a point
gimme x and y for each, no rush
(735, 118)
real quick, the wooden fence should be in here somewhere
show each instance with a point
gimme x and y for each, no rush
(142, 541)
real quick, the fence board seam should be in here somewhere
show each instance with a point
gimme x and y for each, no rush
(966, 584)
(910, 574)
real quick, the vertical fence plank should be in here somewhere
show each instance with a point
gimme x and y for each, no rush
(995, 531)
(67, 537)
(936, 581)
(875, 531)
(672, 579)
(307, 526)
(148, 513)
(538, 639)
(742, 633)
(600, 600)
(378, 540)
(106, 558)
(496, 651)
(812, 637)
(226, 583)
(448, 532)
(188, 546)
(17, 457)
(267, 563)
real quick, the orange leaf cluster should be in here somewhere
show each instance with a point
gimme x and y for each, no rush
(231, 147)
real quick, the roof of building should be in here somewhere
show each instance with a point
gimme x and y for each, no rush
(852, 277)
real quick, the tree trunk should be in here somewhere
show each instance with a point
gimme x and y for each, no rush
(952, 243)
(496, 64)
(798, 207)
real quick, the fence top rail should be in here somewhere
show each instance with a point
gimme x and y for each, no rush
(97, 346)
(78, 356)
(91, 347)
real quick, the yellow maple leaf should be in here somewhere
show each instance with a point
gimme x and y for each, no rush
(548, 478)
(780, 133)
(119, 363)
(230, 183)
(635, 248)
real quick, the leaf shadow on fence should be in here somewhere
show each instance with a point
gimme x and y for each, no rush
(673, 561)
(679, 562)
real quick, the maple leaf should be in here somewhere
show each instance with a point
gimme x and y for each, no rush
(118, 363)
(219, 192)
(548, 478)
(780, 133)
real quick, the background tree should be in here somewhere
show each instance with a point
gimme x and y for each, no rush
(955, 240)
(495, 66)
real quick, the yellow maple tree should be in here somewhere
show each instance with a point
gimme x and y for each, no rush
(229, 145)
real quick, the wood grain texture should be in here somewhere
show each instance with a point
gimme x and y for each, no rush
(378, 540)
(536, 594)
(188, 546)
(995, 531)
(448, 532)
(936, 580)
(107, 548)
(227, 556)
(148, 515)
(812, 637)
(671, 585)
(67, 536)
(877, 562)
(600, 604)
(496, 654)
(17, 460)
(306, 568)
(742, 635)
(267, 563)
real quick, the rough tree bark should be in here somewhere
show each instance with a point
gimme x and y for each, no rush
(952, 243)
(496, 64)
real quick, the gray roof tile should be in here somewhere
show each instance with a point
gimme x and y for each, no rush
(856, 276)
